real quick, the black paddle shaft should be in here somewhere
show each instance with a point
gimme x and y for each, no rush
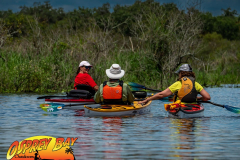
(49, 97)
(153, 89)
(212, 103)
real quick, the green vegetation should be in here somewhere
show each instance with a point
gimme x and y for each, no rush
(41, 47)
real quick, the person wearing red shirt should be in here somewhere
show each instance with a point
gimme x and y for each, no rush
(83, 77)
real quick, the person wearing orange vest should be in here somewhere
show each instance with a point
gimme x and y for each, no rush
(185, 89)
(114, 91)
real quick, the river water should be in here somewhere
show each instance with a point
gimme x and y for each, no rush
(150, 136)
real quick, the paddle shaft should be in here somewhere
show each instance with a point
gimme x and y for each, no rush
(68, 106)
(212, 103)
(153, 89)
(49, 97)
(136, 85)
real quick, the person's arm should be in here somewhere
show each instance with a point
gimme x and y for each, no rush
(97, 98)
(205, 95)
(96, 88)
(167, 92)
(92, 83)
(130, 96)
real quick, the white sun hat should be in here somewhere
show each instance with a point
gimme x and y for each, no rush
(115, 72)
(84, 63)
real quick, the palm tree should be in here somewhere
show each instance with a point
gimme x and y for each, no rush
(70, 150)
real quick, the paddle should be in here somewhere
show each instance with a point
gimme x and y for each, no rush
(48, 97)
(53, 107)
(136, 89)
(229, 108)
(136, 85)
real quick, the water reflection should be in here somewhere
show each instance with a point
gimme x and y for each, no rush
(98, 140)
(185, 133)
(84, 144)
(111, 137)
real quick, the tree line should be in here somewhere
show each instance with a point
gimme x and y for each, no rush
(226, 24)
(149, 39)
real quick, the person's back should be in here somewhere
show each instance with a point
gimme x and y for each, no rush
(186, 88)
(114, 91)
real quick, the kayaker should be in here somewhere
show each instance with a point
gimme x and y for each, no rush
(83, 78)
(188, 92)
(114, 91)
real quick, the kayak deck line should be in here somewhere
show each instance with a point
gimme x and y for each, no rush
(118, 108)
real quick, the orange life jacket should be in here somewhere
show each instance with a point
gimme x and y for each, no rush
(187, 92)
(112, 93)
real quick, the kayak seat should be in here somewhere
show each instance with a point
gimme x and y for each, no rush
(106, 107)
(115, 101)
(186, 108)
(139, 94)
(189, 107)
(85, 87)
(80, 94)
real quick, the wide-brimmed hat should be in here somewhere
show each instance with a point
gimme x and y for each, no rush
(84, 63)
(115, 72)
(184, 67)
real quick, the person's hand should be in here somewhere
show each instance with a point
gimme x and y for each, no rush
(144, 102)
(199, 98)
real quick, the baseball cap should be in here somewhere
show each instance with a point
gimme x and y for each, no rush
(84, 63)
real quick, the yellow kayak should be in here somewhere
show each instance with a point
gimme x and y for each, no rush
(116, 110)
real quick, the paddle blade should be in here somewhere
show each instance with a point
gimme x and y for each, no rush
(169, 98)
(232, 109)
(136, 85)
(135, 89)
(132, 84)
(51, 107)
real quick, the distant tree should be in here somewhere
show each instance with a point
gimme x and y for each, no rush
(228, 13)
(101, 14)
(5, 14)
(79, 17)
(171, 35)
(45, 12)
(227, 25)
(209, 23)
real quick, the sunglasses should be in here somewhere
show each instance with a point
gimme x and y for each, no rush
(87, 67)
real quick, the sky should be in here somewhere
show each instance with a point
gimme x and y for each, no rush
(213, 6)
